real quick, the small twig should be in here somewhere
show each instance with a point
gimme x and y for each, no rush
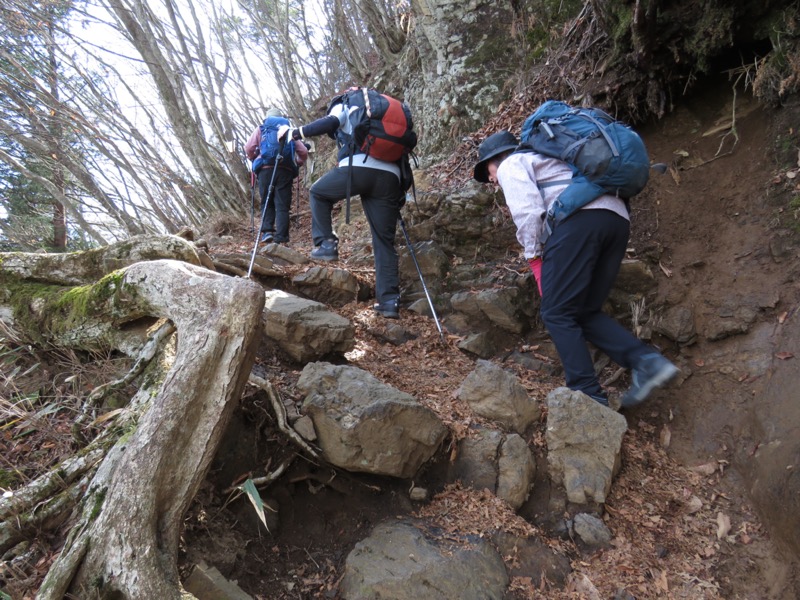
(710, 160)
(617, 374)
(733, 124)
(266, 479)
(510, 270)
(312, 558)
(280, 414)
(274, 475)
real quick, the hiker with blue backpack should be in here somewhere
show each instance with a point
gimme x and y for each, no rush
(374, 134)
(573, 223)
(274, 185)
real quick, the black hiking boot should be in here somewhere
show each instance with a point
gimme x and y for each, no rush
(389, 309)
(327, 250)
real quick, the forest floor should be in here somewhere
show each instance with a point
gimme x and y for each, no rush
(682, 525)
(681, 522)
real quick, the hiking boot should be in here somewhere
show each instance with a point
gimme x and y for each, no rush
(389, 309)
(327, 250)
(652, 371)
(267, 237)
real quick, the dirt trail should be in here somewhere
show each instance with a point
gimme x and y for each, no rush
(710, 225)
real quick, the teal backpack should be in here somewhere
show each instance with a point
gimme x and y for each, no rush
(606, 155)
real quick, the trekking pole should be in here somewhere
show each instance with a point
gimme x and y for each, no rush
(278, 160)
(424, 287)
(252, 201)
(297, 193)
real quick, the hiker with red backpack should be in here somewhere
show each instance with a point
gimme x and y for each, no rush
(575, 263)
(373, 133)
(274, 185)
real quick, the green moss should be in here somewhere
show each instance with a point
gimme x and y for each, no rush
(97, 507)
(44, 311)
(623, 20)
(125, 433)
(8, 479)
(78, 301)
(497, 47)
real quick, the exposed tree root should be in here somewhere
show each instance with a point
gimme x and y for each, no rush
(148, 352)
(133, 497)
(280, 414)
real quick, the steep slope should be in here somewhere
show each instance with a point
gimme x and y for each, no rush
(710, 230)
(718, 233)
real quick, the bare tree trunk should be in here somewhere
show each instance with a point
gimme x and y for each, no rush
(148, 35)
(57, 132)
(125, 543)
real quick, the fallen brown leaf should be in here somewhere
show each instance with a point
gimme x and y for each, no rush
(694, 505)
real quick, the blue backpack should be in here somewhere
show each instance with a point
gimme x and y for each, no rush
(270, 147)
(606, 156)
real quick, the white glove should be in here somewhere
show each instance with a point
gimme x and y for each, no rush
(282, 131)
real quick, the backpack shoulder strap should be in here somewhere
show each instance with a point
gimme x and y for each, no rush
(601, 127)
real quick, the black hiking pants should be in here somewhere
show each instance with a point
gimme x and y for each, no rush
(381, 198)
(275, 216)
(580, 264)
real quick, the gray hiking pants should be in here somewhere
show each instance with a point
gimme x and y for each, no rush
(381, 199)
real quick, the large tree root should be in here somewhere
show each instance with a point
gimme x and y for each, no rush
(125, 542)
(47, 501)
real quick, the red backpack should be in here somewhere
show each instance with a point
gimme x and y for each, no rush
(382, 125)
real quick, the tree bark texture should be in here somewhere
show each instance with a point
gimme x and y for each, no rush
(125, 543)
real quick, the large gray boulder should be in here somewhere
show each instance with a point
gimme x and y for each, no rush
(332, 286)
(453, 87)
(501, 463)
(305, 329)
(365, 425)
(510, 308)
(584, 440)
(398, 562)
(496, 394)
